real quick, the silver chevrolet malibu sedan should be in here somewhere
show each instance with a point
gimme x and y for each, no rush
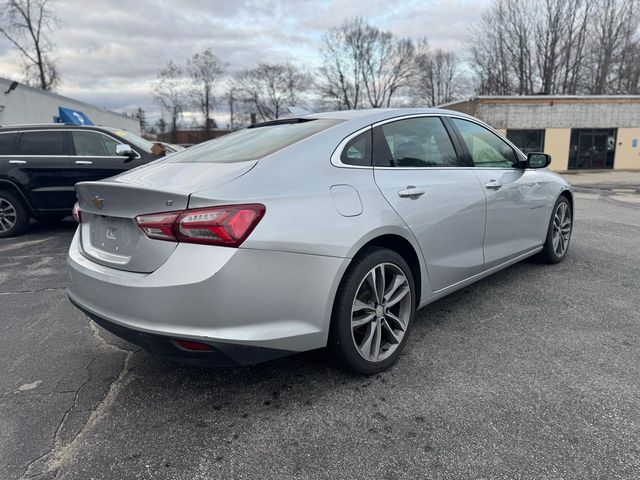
(325, 230)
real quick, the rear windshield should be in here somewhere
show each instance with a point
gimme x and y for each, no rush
(252, 143)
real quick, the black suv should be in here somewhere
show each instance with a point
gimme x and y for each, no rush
(40, 164)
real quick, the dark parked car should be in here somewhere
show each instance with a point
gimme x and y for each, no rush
(40, 164)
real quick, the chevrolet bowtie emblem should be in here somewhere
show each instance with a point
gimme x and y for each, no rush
(97, 201)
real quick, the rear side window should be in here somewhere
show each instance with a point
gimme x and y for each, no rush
(358, 150)
(8, 143)
(42, 143)
(414, 143)
(252, 143)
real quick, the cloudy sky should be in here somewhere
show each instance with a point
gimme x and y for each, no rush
(109, 51)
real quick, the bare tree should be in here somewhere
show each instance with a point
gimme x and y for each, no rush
(555, 46)
(141, 115)
(161, 125)
(613, 29)
(629, 81)
(363, 64)
(169, 92)
(439, 78)
(342, 50)
(489, 53)
(205, 69)
(26, 25)
(270, 88)
(388, 67)
(573, 50)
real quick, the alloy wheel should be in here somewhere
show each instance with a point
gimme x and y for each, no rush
(8, 215)
(381, 312)
(561, 229)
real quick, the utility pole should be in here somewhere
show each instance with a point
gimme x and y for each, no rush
(231, 109)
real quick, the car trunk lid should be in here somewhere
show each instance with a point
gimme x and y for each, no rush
(109, 234)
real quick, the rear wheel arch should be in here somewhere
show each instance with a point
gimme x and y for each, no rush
(9, 186)
(405, 249)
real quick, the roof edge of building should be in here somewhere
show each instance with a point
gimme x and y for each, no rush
(62, 97)
(540, 99)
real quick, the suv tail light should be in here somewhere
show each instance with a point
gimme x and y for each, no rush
(77, 214)
(227, 225)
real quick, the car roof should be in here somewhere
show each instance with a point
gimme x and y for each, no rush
(357, 119)
(378, 114)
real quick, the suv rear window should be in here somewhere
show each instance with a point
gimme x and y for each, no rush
(8, 143)
(42, 143)
(254, 142)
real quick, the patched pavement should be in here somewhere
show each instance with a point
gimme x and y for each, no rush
(531, 373)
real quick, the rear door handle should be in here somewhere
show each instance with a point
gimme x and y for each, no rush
(493, 184)
(84, 162)
(18, 162)
(411, 191)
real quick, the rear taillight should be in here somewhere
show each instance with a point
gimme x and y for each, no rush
(227, 225)
(158, 225)
(77, 214)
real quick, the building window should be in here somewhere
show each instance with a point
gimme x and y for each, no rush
(527, 140)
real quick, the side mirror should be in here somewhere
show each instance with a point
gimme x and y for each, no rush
(125, 150)
(538, 160)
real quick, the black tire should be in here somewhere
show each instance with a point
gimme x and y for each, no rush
(16, 224)
(342, 340)
(549, 253)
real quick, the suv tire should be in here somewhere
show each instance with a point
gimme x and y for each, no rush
(14, 215)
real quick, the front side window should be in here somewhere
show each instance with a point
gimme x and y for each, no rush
(486, 148)
(92, 144)
(358, 150)
(414, 142)
(253, 143)
(137, 141)
(110, 145)
(42, 143)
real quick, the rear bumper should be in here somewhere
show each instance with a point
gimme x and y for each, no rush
(220, 355)
(226, 297)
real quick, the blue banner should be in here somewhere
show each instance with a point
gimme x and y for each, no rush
(73, 117)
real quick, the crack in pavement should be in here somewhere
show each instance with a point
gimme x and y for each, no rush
(65, 416)
(33, 255)
(56, 437)
(35, 290)
(52, 461)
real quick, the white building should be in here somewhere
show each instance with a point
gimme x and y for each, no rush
(24, 104)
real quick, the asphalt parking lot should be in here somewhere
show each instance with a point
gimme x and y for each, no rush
(531, 373)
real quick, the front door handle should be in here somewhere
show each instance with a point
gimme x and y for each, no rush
(84, 162)
(493, 184)
(411, 191)
(18, 162)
